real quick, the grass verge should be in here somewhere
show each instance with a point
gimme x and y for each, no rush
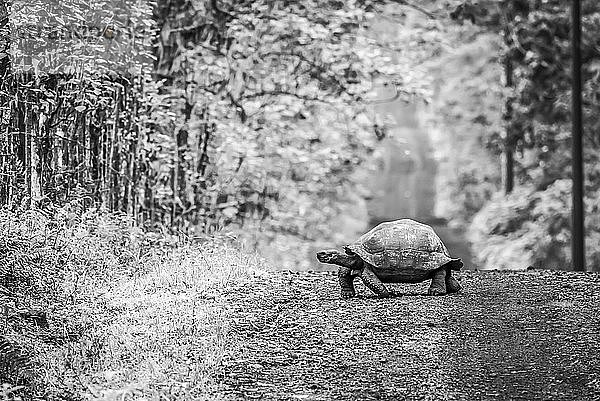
(124, 316)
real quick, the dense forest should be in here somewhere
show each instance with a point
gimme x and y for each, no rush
(204, 116)
(131, 126)
(526, 221)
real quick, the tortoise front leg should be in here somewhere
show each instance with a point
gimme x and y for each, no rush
(373, 283)
(346, 280)
(438, 283)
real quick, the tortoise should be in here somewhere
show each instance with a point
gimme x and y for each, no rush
(400, 251)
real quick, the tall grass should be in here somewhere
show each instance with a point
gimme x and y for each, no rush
(129, 315)
(169, 333)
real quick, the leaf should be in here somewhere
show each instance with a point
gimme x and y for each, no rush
(230, 212)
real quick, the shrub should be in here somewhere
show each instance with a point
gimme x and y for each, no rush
(51, 260)
(96, 306)
(531, 228)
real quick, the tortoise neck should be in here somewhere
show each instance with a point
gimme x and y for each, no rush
(350, 261)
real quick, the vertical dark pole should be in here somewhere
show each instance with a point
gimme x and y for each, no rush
(509, 174)
(577, 245)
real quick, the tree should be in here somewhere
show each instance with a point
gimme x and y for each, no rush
(71, 68)
(537, 45)
(243, 77)
(5, 96)
(4, 41)
(208, 142)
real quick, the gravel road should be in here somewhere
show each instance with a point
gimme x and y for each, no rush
(508, 336)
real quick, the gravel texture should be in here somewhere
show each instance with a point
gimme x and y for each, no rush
(507, 336)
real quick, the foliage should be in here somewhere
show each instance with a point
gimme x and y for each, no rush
(53, 259)
(531, 228)
(466, 110)
(167, 330)
(255, 116)
(282, 87)
(79, 95)
(97, 280)
(515, 231)
(15, 366)
(536, 38)
(252, 113)
(536, 45)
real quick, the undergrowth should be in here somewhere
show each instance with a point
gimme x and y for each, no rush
(94, 308)
(532, 228)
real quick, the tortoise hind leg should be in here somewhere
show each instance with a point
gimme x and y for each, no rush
(373, 283)
(438, 283)
(452, 285)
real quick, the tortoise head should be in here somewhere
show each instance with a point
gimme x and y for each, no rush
(335, 257)
(329, 256)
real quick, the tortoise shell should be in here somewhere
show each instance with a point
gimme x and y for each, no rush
(402, 244)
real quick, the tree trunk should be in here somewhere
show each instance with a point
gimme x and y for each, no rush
(5, 67)
(32, 132)
(7, 158)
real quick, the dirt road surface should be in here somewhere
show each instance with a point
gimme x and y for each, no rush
(508, 336)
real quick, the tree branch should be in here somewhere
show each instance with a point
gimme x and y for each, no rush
(388, 100)
(312, 63)
(416, 7)
(281, 93)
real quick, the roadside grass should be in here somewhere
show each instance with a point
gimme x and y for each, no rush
(126, 315)
(169, 326)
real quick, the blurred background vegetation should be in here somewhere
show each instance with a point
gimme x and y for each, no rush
(272, 121)
(131, 127)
